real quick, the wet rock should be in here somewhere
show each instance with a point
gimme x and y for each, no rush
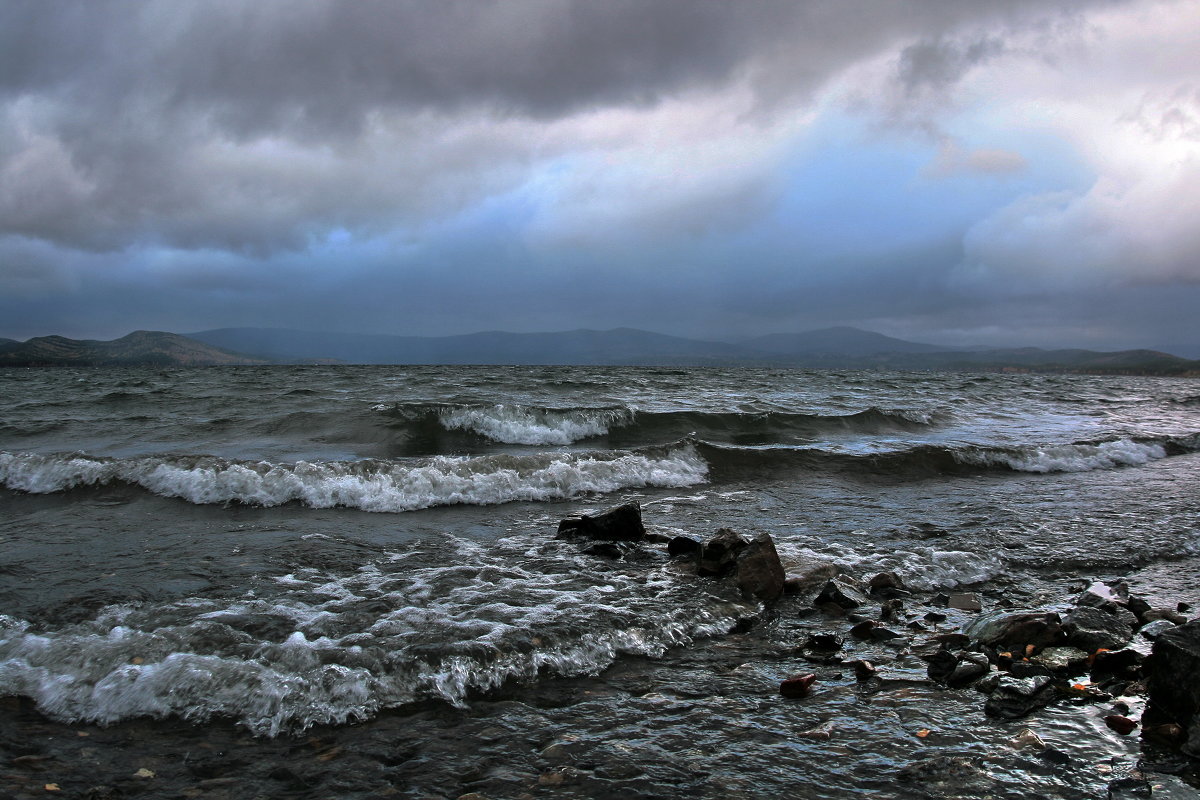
(684, 546)
(1174, 683)
(797, 686)
(1027, 740)
(1152, 630)
(623, 522)
(1121, 724)
(1016, 629)
(891, 609)
(1155, 614)
(885, 583)
(971, 667)
(988, 683)
(1014, 698)
(1125, 663)
(881, 634)
(864, 629)
(1105, 596)
(757, 569)
(965, 602)
(1091, 628)
(934, 616)
(941, 665)
(863, 670)
(1129, 788)
(718, 556)
(819, 733)
(1066, 661)
(824, 642)
(605, 550)
(1054, 756)
(843, 592)
(810, 578)
(1028, 669)
(1137, 606)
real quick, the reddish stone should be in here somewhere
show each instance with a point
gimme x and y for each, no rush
(797, 685)
(1122, 725)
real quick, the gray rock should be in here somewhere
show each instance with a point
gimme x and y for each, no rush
(1065, 661)
(1016, 629)
(971, 667)
(965, 601)
(1014, 698)
(1104, 595)
(1090, 628)
(1152, 630)
(843, 592)
(809, 578)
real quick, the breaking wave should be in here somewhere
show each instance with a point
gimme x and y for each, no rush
(368, 485)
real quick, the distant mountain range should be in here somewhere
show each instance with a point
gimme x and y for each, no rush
(841, 347)
(148, 348)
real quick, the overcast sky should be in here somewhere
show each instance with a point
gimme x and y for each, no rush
(1009, 172)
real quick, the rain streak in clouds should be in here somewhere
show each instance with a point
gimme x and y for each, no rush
(1003, 172)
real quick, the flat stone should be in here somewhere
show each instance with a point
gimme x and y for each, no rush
(622, 522)
(1066, 661)
(969, 601)
(1016, 629)
(842, 592)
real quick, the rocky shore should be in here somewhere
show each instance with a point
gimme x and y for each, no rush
(839, 682)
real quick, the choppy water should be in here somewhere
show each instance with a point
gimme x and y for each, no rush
(289, 547)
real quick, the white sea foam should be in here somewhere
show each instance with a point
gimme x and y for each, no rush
(1069, 457)
(366, 485)
(332, 648)
(516, 424)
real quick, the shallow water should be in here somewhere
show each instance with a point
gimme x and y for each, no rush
(366, 555)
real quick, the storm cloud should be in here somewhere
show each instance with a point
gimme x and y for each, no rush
(688, 167)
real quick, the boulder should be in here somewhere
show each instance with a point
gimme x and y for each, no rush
(757, 570)
(1174, 682)
(886, 583)
(1014, 698)
(623, 523)
(1011, 630)
(842, 591)
(719, 554)
(1090, 628)
(1152, 630)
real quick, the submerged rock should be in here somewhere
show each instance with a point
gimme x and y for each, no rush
(623, 522)
(1014, 698)
(1016, 629)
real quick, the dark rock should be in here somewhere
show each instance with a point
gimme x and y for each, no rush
(917, 625)
(885, 581)
(1183, 607)
(1155, 614)
(891, 609)
(810, 578)
(864, 629)
(1014, 698)
(941, 666)
(622, 522)
(1152, 630)
(940, 599)
(953, 641)
(1166, 734)
(1121, 724)
(969, 601)
(989, 682)
(1028, 669)
(1054, 756)
(882, 634)
(758, 571)
(1105, 596)
(604, 549)
(797, 685)
(1117, 663)
(824, 641)
(1016, 629)
(684, 546)
(1128, 788)
(1174, 683)
(719, 554)
(935, 616)
(745, 624)
(1091, 628)
(842, 592)
(971, 667)
(863, 670)
(1137, 606)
